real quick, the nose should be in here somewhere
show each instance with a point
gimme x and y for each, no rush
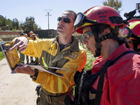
(61, 21)
(85, 41)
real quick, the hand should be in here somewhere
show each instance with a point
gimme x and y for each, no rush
(20, 44)
(21, 68)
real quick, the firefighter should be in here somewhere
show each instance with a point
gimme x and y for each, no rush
(115, 76)
(133, 41)
(63, 52)
(33, 37)
(22, 56)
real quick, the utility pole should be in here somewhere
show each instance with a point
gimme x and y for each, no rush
(48, 14)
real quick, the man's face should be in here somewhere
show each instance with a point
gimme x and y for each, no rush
(33, 37)
(90, 42)
(64, 28)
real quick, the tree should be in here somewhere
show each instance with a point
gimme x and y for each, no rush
(113, 3)
(29, 23)
(10, 23)
(36, 27)
(3, 21)
(15, 23)
(22, 25)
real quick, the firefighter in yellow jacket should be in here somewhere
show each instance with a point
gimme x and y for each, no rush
(63, 52)
(33, 37)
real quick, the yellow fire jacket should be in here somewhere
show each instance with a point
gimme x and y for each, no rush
(71, 58)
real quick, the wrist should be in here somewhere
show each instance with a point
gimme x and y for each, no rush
(32, 73)
(35, 74)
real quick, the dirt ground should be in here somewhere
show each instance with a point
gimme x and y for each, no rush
(15, 89)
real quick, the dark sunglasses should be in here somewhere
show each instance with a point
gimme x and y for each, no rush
(66, 20)
(87, 34)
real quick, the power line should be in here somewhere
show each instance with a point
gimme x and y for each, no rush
(48, 14)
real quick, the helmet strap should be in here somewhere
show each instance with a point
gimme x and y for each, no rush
(107, 36)
(135, 45)
(98, 40)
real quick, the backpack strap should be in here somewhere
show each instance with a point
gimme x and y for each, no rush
(127, 52)
(104, 69)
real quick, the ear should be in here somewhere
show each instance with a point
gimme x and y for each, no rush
(106, 31)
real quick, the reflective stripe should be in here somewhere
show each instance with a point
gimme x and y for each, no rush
(89, 11)
(21, 61)
(133, 25)
(59, 80)
(44, 63)
(87, 24)
(59, 85)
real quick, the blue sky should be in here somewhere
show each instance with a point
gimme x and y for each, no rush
(20, 9)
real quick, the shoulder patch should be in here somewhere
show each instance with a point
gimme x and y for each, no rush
(73, 56)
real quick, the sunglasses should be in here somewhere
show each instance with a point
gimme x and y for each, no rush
(66, 20)
(87, 34)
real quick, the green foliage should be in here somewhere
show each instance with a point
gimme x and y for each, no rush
(15, 23)
(90, 60)
(30, 21)
(3, 21)
(113, 3)
(10, 23)
(14, 30)
(28, 25)
(1, 55)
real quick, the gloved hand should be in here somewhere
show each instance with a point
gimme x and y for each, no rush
(20, 44)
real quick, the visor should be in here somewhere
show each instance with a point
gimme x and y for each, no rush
(127, 33)
(81, 19)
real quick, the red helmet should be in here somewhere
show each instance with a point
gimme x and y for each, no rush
(101, 14)
(135, 27)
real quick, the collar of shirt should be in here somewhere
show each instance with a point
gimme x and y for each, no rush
(62, 46)
(99, 63)
(74, 46)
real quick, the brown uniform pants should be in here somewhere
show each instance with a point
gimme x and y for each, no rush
(47, 98)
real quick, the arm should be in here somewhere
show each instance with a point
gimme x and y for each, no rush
(30, 47)
(125, 90)
(57, 84)
(21, 68)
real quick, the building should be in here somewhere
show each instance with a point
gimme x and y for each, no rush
(51, 33)
(8, 35)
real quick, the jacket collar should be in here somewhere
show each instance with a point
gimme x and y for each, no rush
(73, 47)
(99, 63)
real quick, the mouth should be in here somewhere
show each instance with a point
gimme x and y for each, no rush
(60, 27)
